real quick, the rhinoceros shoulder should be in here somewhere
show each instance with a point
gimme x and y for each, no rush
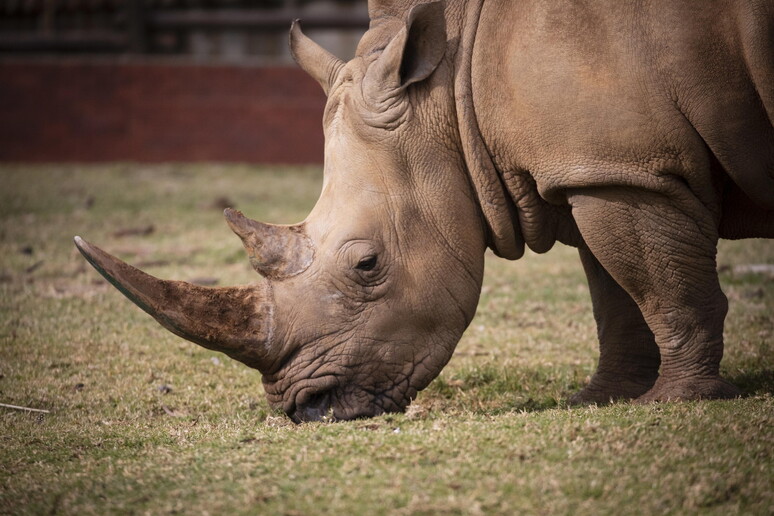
(601, 94)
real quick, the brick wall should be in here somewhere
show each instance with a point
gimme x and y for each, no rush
(79, 110)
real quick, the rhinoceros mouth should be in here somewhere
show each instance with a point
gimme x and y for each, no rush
(308, 391)
(331, 406)
(339, 403)
(316, 408)
(312, 401)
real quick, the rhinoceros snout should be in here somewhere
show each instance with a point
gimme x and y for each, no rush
(315, 408)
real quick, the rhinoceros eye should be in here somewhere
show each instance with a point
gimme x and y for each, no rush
(366, 264)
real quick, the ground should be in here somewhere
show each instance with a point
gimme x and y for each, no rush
(141, 421)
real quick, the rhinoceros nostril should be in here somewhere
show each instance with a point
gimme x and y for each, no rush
(313, 409)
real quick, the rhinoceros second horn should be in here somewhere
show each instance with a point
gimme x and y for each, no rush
(275, 252)
(323, 66)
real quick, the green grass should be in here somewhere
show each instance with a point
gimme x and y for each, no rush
(144, 422)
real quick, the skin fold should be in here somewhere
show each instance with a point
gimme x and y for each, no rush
(638, 132)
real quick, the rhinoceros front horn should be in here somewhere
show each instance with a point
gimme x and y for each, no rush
(275, 252)
(237, 321)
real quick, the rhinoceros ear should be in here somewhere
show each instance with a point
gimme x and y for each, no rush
(323, 66)
(412, 55)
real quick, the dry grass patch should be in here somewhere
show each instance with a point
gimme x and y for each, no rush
(143, 422)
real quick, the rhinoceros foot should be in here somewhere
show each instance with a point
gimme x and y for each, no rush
(687, 389)
(606, 388)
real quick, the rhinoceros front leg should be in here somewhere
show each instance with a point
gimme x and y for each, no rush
(661, 250)
(628, 355)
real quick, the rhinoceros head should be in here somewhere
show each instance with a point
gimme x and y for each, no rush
(362, 304)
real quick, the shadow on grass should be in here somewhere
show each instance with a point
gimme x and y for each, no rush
(493, 390)
(754, 383)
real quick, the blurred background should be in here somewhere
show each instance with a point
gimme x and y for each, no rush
(165, 80)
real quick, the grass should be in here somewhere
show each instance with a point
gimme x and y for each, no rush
(144, 422)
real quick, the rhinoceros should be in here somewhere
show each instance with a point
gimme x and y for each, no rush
(638, 132)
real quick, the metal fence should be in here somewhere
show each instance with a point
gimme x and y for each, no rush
(228, 30)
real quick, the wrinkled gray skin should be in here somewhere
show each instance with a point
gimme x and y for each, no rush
(639, 133)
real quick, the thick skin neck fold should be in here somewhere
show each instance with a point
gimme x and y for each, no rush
(504, 236)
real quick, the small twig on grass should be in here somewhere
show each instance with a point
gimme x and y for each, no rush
(35, 266)
(28, 409)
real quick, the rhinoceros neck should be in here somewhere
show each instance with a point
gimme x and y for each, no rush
(515, 213)
(497, 207)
